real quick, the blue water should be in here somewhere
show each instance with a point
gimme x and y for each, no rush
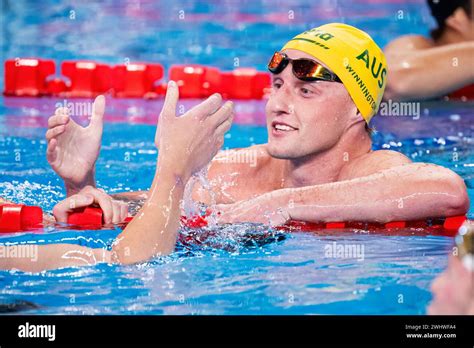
(243, 269)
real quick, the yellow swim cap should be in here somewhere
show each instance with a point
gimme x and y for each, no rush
(353, 56)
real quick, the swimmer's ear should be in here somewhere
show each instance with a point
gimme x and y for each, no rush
(357, 114)
(355, 117)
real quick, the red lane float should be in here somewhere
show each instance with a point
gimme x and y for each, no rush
(447, 226)
(27, 76)
(18, 217)
(93, 217)
(466, 92)
(87, 79)
(136, 80)
(195, 81)
(244, 83)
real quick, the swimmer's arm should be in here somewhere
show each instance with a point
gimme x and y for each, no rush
(153, 231)
(385, 186)
(416, 74)
(406, 192)
(51, 256)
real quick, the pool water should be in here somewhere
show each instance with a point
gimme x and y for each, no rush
(239, 269)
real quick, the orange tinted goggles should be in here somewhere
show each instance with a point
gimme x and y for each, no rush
(303, 68)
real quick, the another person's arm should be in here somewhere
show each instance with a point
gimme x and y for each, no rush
(453, 290)
(186, 144)
(417, 71)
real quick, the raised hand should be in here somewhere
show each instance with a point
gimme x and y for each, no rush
(187, 143)
(72, 149)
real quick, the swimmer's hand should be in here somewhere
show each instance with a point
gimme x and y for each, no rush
(73, 149)
(187, 143)
(114, 211)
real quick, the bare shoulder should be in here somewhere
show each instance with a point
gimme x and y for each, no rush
(244, 160)
(229, 175)
(373, 162)
(408, 43)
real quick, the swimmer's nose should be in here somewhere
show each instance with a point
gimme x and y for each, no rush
(279, 105)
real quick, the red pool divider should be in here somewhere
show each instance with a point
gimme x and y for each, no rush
(26, 77)
(18, 217)
(87, 79)
(93, 217)
(195, 81)
(136, 80)
(244, 83)
(466, 92)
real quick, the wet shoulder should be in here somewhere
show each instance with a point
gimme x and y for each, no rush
(249, 160)
(371, 163)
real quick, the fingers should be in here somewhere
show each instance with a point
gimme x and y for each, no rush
(207, 107)
(123, 211)
(54, 132)
(113, 211)
(223, 127)
(98, 109)
(58, 120)
(105, 203)
(51, 153)
(120, 211)
(171, 100)
(61, 111)
(63, 208)
(221, 115)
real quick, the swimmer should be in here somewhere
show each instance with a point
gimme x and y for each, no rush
(153, 231)
(425, 68)
(318, 164)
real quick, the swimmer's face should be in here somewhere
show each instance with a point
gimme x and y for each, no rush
(305, 118)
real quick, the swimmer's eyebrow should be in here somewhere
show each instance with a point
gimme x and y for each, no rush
(301, 82)
(314, 84)
(297, 82)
